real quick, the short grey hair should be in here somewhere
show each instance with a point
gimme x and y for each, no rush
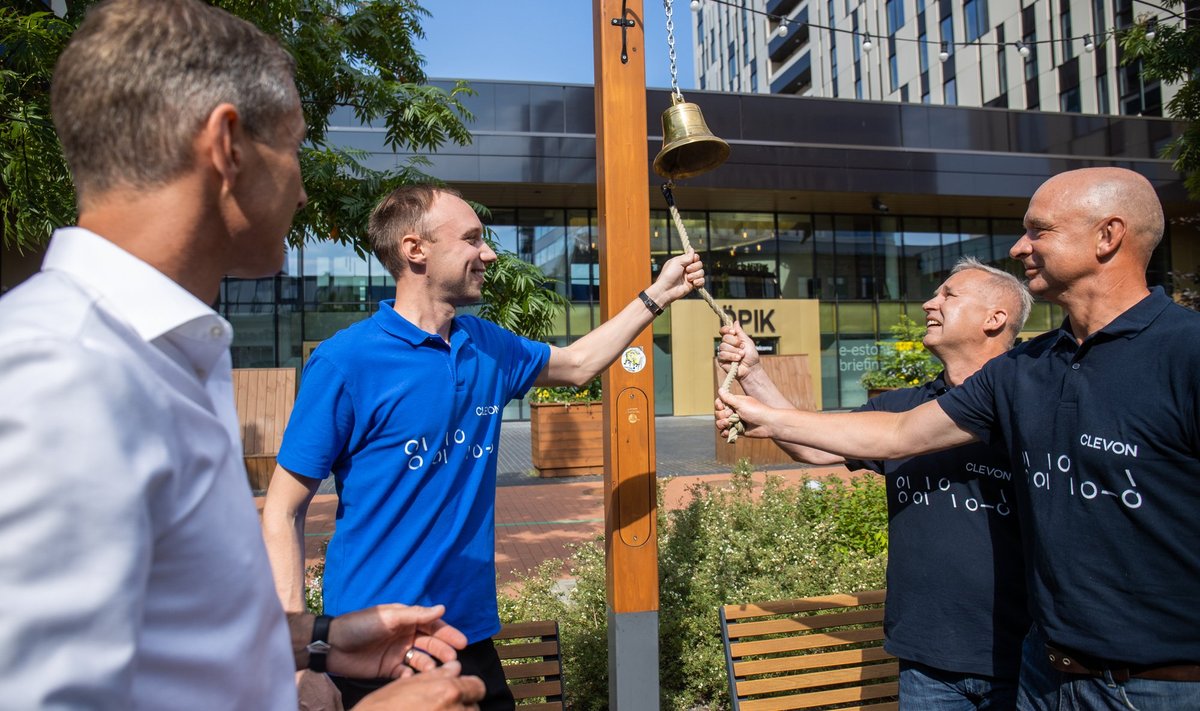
(139, 78)
(1007, 286)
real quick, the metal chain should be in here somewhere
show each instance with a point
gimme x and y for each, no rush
(671, 49)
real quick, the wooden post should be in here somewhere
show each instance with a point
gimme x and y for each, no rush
(630, 501)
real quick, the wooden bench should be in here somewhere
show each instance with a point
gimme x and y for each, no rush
(813, 653)
(532, 665)
(264, 398)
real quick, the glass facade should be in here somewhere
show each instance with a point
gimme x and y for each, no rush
(865, 269)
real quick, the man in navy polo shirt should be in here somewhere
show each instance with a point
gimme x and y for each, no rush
(1102, 420)
(405, 409)
(956, 609)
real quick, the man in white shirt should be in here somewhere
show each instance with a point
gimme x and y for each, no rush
(134, 570)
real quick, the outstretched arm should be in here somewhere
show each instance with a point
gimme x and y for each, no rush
(737, 347)
(581, 361)
(856, 435)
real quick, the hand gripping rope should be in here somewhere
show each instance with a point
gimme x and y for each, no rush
(736, 427)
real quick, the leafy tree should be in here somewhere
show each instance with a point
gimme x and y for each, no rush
(1172, 56)
(357, 55)
(350, 54)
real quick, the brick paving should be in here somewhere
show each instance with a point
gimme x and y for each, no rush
(539, 519)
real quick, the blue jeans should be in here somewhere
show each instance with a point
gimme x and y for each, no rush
(1044, 688)
(925, 688)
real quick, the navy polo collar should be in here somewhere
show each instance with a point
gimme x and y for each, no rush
(393, 323)
(1133, 321)
(938, 386)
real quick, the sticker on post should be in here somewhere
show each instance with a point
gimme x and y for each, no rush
(633, 360)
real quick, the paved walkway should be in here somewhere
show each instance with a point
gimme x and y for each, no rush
(539, 519)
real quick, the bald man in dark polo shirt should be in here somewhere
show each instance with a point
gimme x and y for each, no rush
(1102, 421)
(956, 610)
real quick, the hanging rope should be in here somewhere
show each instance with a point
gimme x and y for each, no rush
(736, 427)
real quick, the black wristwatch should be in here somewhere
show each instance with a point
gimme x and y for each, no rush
(318, 648)
(650, 303)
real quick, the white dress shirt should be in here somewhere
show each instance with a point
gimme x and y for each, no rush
(133, 573)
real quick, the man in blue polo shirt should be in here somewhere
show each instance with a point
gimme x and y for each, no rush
(404, 409)
(956, 609)
(1102, 420)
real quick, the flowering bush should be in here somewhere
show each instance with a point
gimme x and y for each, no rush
(567, 393)
(903, 362)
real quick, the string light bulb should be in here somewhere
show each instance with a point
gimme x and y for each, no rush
(1022, 49)
(1088, 45)
(867, 45)
(782, 31)
(1151, 28)
(945, 53)
(695, 6)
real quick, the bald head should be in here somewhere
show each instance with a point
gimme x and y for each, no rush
(1099, 193)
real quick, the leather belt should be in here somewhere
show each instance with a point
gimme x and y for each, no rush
(1070, 662)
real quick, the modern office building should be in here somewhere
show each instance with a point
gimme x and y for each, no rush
(830, 219)
(1049, 55)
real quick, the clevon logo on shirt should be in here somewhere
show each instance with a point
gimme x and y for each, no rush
(486, 410)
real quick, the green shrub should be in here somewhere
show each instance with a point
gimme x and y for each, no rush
(726, 545)
(902, 362)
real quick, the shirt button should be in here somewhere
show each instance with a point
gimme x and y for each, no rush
(1074, 366)
(216, 332)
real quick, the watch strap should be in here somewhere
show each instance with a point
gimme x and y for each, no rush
(318, 648)
(650, 303)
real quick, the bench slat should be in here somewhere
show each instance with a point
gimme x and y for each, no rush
(822, 698)
(521, 630)
(800, 662)
(531, 669)
(805, 623)
(853, 675)
(524, 650)
(812, 641)
(805, 604)
(535, 690)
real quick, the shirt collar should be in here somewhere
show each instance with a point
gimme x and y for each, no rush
(1128, 324)
(392, 322)
(156, 307)
(148, 300)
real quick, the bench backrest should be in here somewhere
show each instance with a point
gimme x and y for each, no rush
(532, 665)
(821, 652)
(264, 398)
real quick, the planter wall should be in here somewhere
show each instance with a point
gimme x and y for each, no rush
(567, 440)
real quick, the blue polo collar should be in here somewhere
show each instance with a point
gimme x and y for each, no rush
(1133, 321)
(393, 323)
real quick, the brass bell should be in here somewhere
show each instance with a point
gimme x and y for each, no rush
(689, 148)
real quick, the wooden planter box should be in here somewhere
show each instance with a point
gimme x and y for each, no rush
(567, 440)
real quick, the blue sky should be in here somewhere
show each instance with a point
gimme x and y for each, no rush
(541, 40)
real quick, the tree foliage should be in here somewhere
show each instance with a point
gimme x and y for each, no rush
(350, 55)
(1172, 56)
(36, 194)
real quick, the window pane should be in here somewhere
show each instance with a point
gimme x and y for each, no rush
(855, 250)
(584, 263)
(922, 257)
(545, 232)
(796, 257)
(743, 245)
